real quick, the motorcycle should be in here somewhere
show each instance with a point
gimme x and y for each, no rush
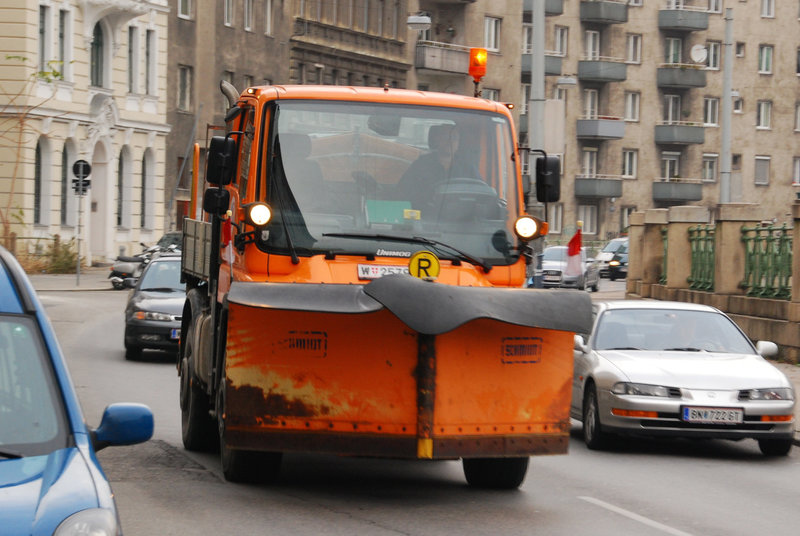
(131, 266)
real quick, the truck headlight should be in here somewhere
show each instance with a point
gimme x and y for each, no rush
(528, 227)
(258, 214)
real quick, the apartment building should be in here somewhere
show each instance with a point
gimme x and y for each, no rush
(643, 110)
(83, 80)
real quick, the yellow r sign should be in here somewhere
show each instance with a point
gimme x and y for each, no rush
(424, 265)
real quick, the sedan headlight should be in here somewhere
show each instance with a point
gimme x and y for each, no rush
(92, 522)
(642, 389)
(778, 393)
(150, 315)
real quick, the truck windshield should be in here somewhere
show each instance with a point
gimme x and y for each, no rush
(345, 172)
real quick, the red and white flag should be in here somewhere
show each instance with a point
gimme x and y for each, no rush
(574, 255)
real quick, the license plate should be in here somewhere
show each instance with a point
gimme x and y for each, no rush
(713, 415)
(373, 271)
(552, 278)
(175, 333)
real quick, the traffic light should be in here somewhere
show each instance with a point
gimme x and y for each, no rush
(477, 63)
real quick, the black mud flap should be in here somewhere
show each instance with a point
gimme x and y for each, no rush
(426, 307)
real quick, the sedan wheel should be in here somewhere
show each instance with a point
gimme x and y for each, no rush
(593, 434)
(775, 447)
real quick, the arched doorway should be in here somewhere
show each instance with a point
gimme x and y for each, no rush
(97, 216)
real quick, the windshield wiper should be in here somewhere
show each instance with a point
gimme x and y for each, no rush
(684, 349)
(417, 240)
(161, 289)
(10, 454)
(624, 348)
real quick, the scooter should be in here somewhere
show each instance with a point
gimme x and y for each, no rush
(130, 266)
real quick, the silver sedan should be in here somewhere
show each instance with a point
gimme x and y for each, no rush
(652, 368)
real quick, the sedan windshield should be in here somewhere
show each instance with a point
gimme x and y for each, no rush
(669, 329)
(32, 420)
(372, 179)
(162, 276)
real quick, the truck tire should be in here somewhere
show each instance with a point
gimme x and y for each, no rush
(495, 473)
(197, 426)
(244, 466)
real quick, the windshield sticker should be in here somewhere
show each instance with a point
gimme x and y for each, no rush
(521, 350)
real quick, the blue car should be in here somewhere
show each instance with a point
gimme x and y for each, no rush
(50, 479)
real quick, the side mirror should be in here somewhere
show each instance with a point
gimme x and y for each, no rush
(123, 424)
(578, 344)
(221, 160)
(767, 348)
(216, 201)
(548, 179)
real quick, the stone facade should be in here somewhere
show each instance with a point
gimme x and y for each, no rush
(675, 129)
(84, 79)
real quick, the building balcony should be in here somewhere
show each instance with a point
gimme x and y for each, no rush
(551, 7)
(680, 75)
(601, 127)
(552, 64)
(598, 186)
(685, 19)
(604, 11)
(677, 191)
(601, 69)
(444, 58)
(680, 133)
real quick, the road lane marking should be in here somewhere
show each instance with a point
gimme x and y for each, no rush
(636, 517)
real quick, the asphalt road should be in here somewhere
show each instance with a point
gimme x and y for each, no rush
(639, 487)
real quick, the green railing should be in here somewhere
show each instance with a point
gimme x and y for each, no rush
(702, 242)
(768, 261)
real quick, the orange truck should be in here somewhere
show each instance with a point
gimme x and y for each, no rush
(355, 286)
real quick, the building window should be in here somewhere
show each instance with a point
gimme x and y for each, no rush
(45, 35)
(710, 167)
(554, 217)
(562, 40)
(765, 59)
(632, 99)
(738, 105)
(143, 195)
(37, 184)
(526, 96)
(97, 57)
(796, 171)
(184, 88)
(714, 49)
(268, 17)
(762, 170)
(797, 117)
(133, 59)
(560, 93)
(64, 45)
(590, 103)
(625, 218)
(150, 49)
(670, 165)
(147, 210)
(65, 184)
(630, 163)
(635, 2)
(591, 44)
(672, 109)
(227, 12)
(248, 15)
(491, 94)
(711, 111)
(740, 49)
(185, 9)
(121, 170)
(768, 8)
(589, 162)
(764, 114)
(673, 50)
(491, 33)
(588, 214)
(715, 6)
(634, 47)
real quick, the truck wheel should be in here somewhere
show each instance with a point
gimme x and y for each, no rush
(593, 434)
(775, 447)
(197, 426)
(244, 466)
(495, 473)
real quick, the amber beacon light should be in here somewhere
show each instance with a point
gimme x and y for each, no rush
(477, 63)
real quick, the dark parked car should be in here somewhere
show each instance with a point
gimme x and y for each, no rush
(618, 265)
(153, 313)
(50, 479)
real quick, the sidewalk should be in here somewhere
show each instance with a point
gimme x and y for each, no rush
(96, 278)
